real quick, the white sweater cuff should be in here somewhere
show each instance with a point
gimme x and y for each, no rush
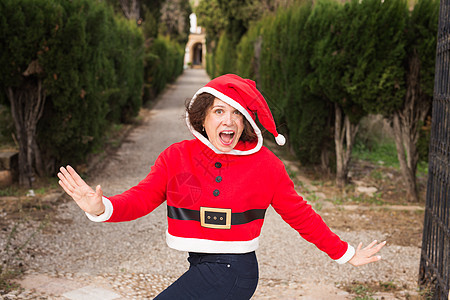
(104, 216)
(347, 255)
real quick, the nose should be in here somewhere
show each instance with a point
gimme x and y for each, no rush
(228, 118)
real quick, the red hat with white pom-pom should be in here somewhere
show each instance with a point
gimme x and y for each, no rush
(241, 94)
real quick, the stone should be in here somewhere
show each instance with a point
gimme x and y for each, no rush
(52, 197)
(321, 195)
(9, 160)
(92, 293)
(369, 191)
(6, 178)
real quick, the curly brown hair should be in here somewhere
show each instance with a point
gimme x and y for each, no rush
(197, 114)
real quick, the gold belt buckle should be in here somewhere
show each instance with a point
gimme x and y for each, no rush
(217, 218)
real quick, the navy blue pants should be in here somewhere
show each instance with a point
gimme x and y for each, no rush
(216, 276)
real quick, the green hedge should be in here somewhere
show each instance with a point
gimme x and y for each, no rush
(284, 74)
(92, 70)
(126, 98)
(163, 64)
(210, 65)
(225, 56)
(423, 21)
(310, 56)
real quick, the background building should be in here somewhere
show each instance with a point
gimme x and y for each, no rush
(196, 46)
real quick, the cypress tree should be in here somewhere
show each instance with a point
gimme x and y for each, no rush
(225, 55)
(27, 27)
(416, 102)
(249, 52)
(309, 117)
(335, 58)
(80, 78)
(60, 78)
(273, 74)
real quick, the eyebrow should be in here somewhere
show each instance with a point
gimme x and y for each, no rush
(223, 106)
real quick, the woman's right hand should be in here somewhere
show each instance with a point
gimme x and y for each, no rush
(87, 199)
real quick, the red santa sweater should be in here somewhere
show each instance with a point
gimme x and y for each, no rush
(216, 202)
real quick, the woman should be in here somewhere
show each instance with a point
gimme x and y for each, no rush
(218, 187)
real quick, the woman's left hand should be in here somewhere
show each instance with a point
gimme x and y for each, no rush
(366, 255)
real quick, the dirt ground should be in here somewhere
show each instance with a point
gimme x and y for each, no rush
(403, 228)
(385, 209)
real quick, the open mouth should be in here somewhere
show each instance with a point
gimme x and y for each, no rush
(226, 137)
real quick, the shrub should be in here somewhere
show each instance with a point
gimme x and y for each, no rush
(128, 63)
(89, 65)
(225, 55)
(163, 63)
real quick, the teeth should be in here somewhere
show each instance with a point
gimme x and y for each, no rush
(228, 132)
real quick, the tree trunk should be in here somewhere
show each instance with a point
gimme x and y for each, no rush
(403, 148)
(344, 137)
(27, 104)
(325, 161)
(326, 152)
(405, 125)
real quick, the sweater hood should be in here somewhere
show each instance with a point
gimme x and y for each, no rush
(242, 95)
(242, 148)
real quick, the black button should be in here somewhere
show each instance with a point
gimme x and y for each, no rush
(216, 193)
(215, 218)
(218, 165)
(218, 178)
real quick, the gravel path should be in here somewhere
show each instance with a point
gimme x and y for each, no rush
(132, 260)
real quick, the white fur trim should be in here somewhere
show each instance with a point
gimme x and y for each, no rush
(234, 104)
(104, 216)
(210, 246)
(347, 256)
(280, 139)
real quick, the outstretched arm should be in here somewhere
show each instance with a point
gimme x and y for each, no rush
(87, 199)
(366, 255)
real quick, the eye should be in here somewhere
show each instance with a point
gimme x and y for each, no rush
(236, 112)
(219, 111)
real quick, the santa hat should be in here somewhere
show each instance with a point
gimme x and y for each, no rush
(241, 94)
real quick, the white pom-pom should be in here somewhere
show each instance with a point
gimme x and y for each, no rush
(281, 140)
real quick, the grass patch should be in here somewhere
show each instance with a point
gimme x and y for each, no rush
(10, 191)
(382, 153)
(422, 169)
(41, 187)
(11, 266)
(377, 174)
(318, 206)
(312, 197)
(6, 277)
(367, 290)
(292, 174)
(356, 199)
(376, 199)
(337, 200)
(318, 183)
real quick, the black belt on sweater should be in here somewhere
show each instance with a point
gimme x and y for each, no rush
(218, 218)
